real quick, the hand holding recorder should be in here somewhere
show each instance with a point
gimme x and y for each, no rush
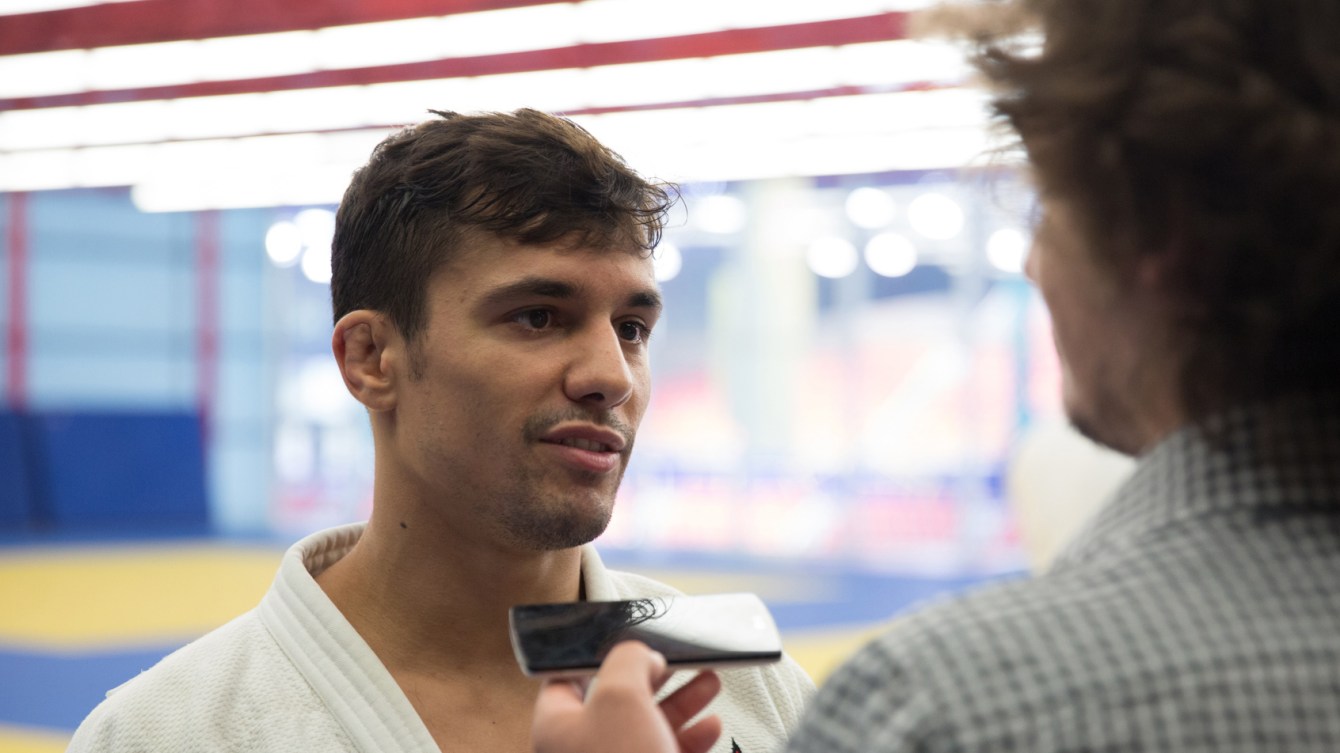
(611, 639)
(621, 712)
(571, 639)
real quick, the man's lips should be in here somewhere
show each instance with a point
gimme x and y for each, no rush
(586, 437)
(586, 447)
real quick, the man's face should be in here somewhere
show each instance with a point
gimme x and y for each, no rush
(1110, 383)
(532, 377)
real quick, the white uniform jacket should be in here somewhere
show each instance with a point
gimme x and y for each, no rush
(293, 674)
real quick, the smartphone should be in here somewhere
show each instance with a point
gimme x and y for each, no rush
(717, 630)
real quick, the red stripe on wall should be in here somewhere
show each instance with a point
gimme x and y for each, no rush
(881, 27)
(169, 20)
(16, 383)
(207, 314)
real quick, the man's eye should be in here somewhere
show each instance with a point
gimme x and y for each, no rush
(536, 318)
(634, 332)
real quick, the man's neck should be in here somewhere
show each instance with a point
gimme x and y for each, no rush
(434, 609)
(427, 600)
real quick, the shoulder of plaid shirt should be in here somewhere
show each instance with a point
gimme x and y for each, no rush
(1199, 610)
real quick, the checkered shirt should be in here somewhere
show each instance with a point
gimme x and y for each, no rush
(1199, 611)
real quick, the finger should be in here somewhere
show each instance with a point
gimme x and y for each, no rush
(582, 684)
(685, 703)
(700, 737)
(558, 711)
(558, 699)
(632, 663)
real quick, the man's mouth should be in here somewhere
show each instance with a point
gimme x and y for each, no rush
(585, 444)
(587, 448)
(587, 437)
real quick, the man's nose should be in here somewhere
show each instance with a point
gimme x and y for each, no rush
(599, 374)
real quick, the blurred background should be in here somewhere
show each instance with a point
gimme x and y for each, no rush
(856, 399)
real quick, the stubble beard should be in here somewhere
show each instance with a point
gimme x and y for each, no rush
(537, 521)
(539, 513)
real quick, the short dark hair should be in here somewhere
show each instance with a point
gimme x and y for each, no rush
(1207, 131)
(526, 176)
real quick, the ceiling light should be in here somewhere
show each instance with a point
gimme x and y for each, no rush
(721, 214)
(832, 257)
(668, 261)
(870, 207)
(140, 65)
(935, 216)
(316, 226)
(39, 73)
(558, 90)
(410, 40)
(890, 255)
(1007, 249)
(283, 243)
(16, 7)
(316, 264)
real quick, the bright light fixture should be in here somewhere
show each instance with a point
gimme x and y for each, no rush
(558, 90)
(935, 216)
(15, 7)
(1007, 249)
(869, 207)
(316, 264)
(37, 171)
(904, 61)
(38, 73)
(170, 183)
(283, 243)
(306, 238)
(379, 43)
(668, 261)
(138, 65)
(890, 255)
(532, 27)
(722, 214)
(685, 145)
(832, 257)
(245, 185)
(317, 226)
(111, 166)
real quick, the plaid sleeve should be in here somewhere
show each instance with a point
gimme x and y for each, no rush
(871, 704)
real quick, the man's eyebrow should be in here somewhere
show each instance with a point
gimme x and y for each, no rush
(545, 287)
(646, 299)
(542, 287)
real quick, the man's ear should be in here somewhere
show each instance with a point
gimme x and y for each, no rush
(371, 355)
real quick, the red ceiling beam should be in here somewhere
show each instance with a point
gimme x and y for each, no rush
(876, 28)
(171, 20)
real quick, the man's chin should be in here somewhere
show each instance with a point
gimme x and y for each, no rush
(572, 531)
(576, 520)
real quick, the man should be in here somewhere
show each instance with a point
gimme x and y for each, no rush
(493, 294)
(1187, 155)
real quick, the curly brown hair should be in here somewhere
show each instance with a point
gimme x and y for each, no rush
(1207, 131)
(526, 176)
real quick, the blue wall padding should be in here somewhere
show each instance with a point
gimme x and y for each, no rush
(121, 470)
(16, 488)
